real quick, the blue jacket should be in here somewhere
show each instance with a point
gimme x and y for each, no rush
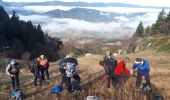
(144, 68)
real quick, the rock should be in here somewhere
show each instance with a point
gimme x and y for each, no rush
(92, 98)
(88, 54)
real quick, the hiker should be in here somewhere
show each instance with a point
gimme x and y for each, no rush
(109, 65)
(13, 70)
(142, 68)
(44, 64)
(35, 69)
(62, 71)
(70, 64)
(121, 72)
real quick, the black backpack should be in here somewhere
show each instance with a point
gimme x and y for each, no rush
(17, 94)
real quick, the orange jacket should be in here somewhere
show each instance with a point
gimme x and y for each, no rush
(43, 63)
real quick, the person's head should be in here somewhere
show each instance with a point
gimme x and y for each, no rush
(114, 55)
(70, 54)
(108, 53)
(38, 59)
(13, 62)
(138, 61)
(126, 59)
(42, 57)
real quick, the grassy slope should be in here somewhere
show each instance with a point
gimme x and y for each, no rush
(91, 74)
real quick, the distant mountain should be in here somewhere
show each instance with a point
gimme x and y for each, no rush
(78, 4)
(87, 15)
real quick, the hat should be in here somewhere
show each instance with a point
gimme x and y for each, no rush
(138, 61)
(42, 56)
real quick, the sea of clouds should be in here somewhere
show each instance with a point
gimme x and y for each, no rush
(64, 27)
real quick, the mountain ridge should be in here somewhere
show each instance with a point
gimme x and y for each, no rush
(81, 4)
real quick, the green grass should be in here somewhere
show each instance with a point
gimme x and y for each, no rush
(159, 42)
(164, 47)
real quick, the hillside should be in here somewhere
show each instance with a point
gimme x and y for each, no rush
(91, 74)
(22, 39)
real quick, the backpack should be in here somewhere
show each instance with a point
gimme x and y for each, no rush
(145, 88)
(70, 70)
(17, 94)
(57, 89)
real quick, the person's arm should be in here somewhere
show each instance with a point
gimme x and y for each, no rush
(7, 69)
(135, 67)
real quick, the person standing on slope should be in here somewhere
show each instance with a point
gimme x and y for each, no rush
(109, 65)
(121, 72)
(44, 64)
(35, 69)
(70, 64)
(13, 70)
(142, 68)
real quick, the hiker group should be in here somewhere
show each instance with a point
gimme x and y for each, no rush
(39, 68)
(118, 73)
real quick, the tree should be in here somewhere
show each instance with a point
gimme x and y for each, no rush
(161, 16)
(148, 30)
(168, 17)
(140, 30)
(160, 22)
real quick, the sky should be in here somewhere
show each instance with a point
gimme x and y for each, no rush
(160, 3)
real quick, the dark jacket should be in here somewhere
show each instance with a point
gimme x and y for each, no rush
(61, 66)
(35, 67)
(12, 69)
(109, 66)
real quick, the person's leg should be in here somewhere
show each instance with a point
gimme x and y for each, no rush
(42, 74)
(138, 80)
(108, 82)
(147, 80)
(17, 80)
(40, 78)
(69, 84)
(35, 79)
(13, 82)
(46, 73)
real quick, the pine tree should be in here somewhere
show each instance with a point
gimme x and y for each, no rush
(140, 30)
(168, 17)
(148, 30)
(159, 25)
(161, 16)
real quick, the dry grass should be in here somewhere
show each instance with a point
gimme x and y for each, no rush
(91, 80)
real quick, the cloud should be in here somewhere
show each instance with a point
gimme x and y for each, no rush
(79, 28)
(45, 8)
(122, 18)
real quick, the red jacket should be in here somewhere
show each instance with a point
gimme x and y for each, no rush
(121, 69)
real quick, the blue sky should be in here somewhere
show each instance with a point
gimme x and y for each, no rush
(163, 3)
